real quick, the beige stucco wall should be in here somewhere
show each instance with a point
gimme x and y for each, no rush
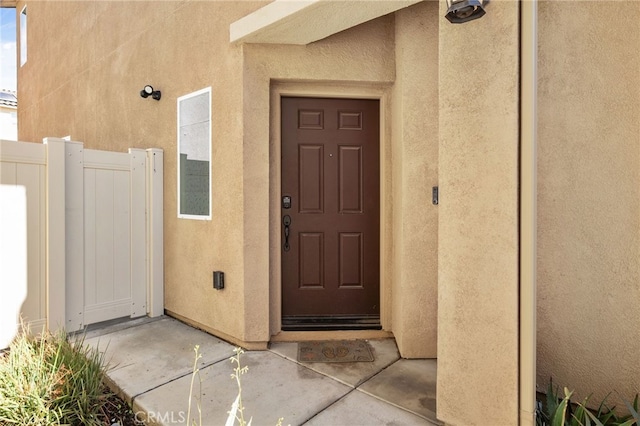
(589, 198)
(415, 172)
(478, 219)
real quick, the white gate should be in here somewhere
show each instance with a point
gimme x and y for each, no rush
(95, 231)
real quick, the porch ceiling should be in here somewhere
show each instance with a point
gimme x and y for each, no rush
(306, 21)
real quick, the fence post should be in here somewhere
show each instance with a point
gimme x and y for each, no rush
(138, 209)
(155, 233)
(55, 254)
(74, 223)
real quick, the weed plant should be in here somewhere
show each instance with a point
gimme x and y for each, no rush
(237, 412)
(237, 409)
(49, 380)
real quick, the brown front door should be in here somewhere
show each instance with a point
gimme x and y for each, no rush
(330, 211)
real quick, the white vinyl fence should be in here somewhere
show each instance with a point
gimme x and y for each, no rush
(94, 233)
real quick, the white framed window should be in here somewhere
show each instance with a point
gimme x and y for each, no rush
(194, 155)
(23, 36)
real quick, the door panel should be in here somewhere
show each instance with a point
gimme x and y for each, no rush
(311, 178)
(311, 260)
(331, 171)
(351, 259)
(350, 179)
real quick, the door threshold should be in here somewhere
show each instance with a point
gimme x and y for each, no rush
(305, 336)
(327, 323)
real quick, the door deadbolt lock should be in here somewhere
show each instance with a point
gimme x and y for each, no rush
(286, 202)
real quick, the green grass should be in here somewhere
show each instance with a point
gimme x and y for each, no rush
(50, 380)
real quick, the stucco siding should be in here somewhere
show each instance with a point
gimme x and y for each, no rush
(589, 198)
(478, 219)
(415, 172)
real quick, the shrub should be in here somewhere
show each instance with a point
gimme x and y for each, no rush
(51, 380)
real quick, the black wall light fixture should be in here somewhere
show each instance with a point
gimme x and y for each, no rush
(460, 11)
(148, 91)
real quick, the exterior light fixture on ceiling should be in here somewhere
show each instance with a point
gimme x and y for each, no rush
(148, 91)
(460, 11)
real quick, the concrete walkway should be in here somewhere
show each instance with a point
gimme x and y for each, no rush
(151, 364)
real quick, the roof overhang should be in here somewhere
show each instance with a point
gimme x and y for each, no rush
(306, 21)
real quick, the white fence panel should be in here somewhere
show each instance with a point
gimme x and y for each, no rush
(118, 212)
(23, 165)
(107, 217)
(107, 245)
(94, 232)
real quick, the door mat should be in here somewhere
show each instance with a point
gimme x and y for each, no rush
(334, 351)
